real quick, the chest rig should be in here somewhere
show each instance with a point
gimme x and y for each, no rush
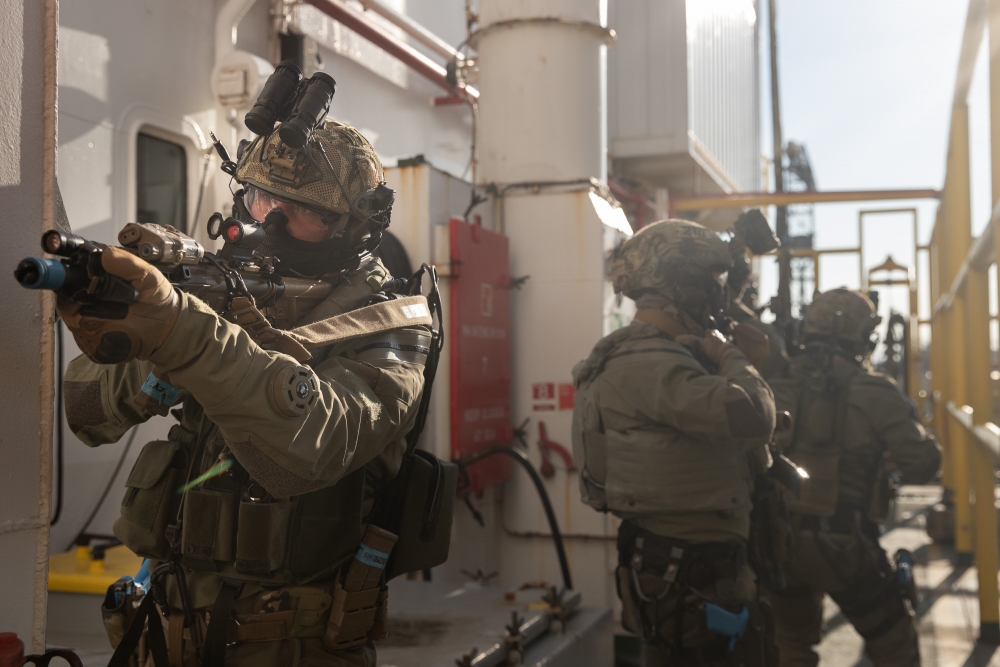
(225, 522)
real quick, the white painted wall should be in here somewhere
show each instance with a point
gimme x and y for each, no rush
(27, 165)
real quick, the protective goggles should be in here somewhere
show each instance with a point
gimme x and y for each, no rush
(266, 201)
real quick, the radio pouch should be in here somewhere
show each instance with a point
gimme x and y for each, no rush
(422, 500)
(151, 500)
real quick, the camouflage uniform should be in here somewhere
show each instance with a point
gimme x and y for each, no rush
(277, 527)
(852, 428)
(669, 441)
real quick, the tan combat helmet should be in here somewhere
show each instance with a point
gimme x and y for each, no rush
(355, 184)
(655, 258)
(677, 259)
(842, 314)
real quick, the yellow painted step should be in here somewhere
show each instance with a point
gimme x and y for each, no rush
(75, 572)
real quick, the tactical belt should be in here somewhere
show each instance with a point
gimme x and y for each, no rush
(695, 565)
(684, 564)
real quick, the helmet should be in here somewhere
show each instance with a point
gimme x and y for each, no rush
(844, 314)
(677, 259)
(337, 172)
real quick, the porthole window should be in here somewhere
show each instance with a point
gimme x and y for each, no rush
(161, 182)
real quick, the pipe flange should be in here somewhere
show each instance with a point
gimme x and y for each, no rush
(606, 34)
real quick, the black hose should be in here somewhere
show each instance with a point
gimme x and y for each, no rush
(111, 482)
(525, 462)
(60, 353)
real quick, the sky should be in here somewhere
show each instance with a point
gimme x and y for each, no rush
(867, 86)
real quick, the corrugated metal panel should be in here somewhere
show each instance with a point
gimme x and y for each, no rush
(647, 78)
(683, 80)
(723, 86)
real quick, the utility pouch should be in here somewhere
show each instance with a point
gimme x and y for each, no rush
(817, 494)
(883, 495)
(352, 618)
(260, 538)
(380, 628)
(118, 610)
(424, 493)
(208, 529)
(631, 616)
(151, 499)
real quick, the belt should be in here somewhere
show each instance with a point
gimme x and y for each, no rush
(699, 564)
(266, 626)
(269, 627)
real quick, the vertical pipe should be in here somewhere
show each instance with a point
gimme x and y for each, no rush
(781, 224)
(957, 239)
(983, 481)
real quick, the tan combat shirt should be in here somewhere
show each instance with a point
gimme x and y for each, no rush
(367, 403)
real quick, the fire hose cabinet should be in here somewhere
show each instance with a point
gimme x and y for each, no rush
(479, 343)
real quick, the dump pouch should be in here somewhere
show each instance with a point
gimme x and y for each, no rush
(423, 495)
(151, 500)
(209, 529)
(118, 609)
(260, 538)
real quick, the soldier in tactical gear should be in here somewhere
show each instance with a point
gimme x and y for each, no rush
(254, 555)
(670, 421)
(854, 432)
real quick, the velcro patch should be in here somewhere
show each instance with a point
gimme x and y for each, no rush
(415, 310)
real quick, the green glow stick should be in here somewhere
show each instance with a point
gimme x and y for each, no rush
(214, 471)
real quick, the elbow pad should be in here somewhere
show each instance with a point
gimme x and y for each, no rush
(294, 390)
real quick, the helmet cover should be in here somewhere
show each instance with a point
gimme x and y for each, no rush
(846, 314)
(655, 258)
(303, 175)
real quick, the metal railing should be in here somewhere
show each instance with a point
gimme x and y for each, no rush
(960, 354)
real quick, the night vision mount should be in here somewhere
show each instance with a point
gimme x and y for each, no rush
(301, 105)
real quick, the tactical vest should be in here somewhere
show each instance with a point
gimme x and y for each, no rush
(652, 470)
(816, 395)
(229, 525)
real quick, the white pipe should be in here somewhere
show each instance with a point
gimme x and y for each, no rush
(225, 26)
(412, 28)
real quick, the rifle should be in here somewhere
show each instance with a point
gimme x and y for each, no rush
(240, 270)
